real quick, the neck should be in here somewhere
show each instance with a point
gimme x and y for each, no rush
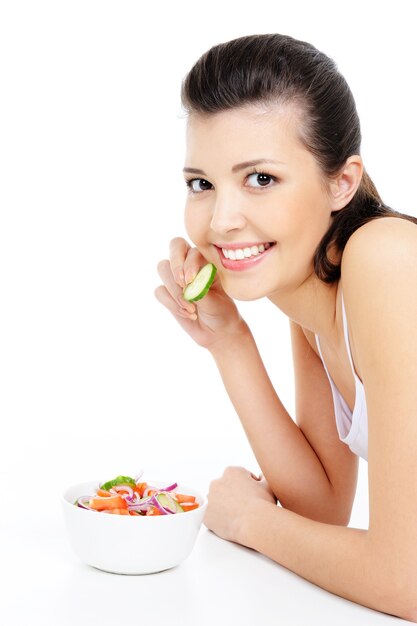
(312, 305)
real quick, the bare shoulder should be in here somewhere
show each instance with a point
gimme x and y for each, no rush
(379, 281)
(377, 253)
(378, 239)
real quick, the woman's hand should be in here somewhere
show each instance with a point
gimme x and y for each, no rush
(207, 321)
(230, 497)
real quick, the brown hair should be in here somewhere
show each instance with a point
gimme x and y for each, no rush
(276, 68)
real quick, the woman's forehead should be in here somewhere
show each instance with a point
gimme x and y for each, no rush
(247, 130)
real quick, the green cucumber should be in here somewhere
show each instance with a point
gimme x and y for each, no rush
(169, 503)
(198, 287)
(119, 480)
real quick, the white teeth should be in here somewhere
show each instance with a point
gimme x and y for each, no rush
(237, 254)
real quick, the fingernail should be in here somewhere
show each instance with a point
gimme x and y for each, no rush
(180, 279)
(189, 276)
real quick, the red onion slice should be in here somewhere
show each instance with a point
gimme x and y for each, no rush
(142, 505)
(170, 488)
(159, 506)
(83, 503)
(129, 491)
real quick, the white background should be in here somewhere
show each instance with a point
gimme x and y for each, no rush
(96, 378)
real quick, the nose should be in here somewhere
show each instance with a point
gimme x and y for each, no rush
(227, 215)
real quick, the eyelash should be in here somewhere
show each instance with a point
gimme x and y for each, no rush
(189, 181)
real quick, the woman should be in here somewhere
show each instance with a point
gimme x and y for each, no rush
(280, 202)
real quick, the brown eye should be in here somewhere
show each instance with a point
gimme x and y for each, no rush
(197, 185)
(261, 180)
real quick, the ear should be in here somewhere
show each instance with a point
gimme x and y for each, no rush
(344, 186)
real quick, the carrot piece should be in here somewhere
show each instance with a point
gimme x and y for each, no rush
(103, 493)
(190, 507)
(112, 502)
(140, 488)
(180, 497)
(116, 511)
(153, 511)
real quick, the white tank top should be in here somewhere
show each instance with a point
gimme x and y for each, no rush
(352, 426)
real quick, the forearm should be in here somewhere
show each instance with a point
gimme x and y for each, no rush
(344, 561)
(288, 462)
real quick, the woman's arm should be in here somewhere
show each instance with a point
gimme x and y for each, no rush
(290, 464)
(346, 561)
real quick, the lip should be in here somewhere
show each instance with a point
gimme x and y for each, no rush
(242, 264)
(244, 244)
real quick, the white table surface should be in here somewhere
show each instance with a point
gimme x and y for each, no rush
(45, 584)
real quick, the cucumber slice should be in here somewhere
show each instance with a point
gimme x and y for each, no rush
(169, 503)
(198, 287)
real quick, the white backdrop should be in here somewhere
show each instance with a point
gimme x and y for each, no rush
(96, 378)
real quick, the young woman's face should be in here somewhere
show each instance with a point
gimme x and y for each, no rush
(258, 223)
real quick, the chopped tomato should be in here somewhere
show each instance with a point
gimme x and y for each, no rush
(117, 511)
(140, 488)
(189, 507)
(180, 497)
(112, 502)
(153, 511)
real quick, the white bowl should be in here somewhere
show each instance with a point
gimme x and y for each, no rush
(124, 544)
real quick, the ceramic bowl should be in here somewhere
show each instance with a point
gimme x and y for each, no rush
(124, 544)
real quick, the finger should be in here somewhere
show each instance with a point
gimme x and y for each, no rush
(193, 264)
(178, 249)
(234, 469)
(164, 297)
(175, 291)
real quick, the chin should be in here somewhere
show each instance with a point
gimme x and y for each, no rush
(243, 294)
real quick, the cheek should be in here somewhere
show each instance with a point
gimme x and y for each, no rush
(189, 222)
(195, 225)
(307, 220)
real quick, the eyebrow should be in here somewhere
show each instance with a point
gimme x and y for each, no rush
(235, 168)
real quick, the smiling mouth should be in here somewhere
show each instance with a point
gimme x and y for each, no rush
(246, 252)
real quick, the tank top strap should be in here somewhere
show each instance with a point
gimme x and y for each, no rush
(345, 330)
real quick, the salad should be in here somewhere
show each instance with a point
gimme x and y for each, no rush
(128, 496)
